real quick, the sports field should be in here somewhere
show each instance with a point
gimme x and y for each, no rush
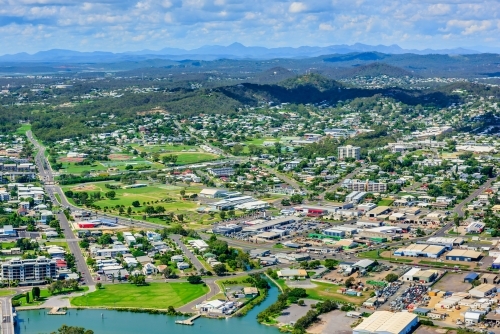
(154, 295)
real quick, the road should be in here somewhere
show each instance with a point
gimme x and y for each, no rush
(51, 189)
(341, 181)
(7, 319)
(459, 207)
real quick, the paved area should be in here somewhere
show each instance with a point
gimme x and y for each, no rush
(333, 322)
(7, 326)
(294, 312)
(430, 330)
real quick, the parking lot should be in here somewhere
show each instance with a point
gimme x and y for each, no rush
(294, 312)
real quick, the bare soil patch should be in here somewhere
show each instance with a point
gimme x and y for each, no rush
(66, 159)
(119, 157)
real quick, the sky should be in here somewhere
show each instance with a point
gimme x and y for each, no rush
(130, 25)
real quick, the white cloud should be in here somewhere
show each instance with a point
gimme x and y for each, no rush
(326, 27)
(297, 7)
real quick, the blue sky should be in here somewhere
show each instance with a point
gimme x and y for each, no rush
(124, 25)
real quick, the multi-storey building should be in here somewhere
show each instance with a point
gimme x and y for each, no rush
(27, 270)
(349, 151)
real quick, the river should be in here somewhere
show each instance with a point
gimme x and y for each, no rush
(114, 322)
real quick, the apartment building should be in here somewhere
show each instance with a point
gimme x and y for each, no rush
(29, 270)
(349, 151)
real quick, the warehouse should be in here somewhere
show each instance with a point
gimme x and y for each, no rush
(419, 275)
(334, 233)
(471, 277)
(365, 264)
(421, 250)
(447, 242)
(483, 290)
(385, 322)
(265, 225)
(496, 263)
(463, 255)
(380, 210)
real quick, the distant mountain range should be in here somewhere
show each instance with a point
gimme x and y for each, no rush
(233, 51)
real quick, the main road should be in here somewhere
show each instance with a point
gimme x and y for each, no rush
(51, 189)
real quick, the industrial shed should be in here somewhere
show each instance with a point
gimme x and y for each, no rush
(385, 322)
(463, 255)
(471, 277)
(483, 290)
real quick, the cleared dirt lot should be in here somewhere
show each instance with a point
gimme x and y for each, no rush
(429, 330)
(453, 282)
(294, 312)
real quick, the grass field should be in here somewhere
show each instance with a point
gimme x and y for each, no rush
(163, 148)
(373, 254)
(325, 291)
(23, 128)
(155, 295)
(186, 158)
(385, 202)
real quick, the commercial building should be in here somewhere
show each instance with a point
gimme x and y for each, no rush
(266, 225)
(29, 270)
(475, 227)
(419, 275)
(349, 151)
(231, 203)
(334, 233)
(364, 264)
(212, 193)
(421, 250)
(226, 229)
(463, 255)
(292, 273)
(483, 290)
(385, 322)
(447, 242)
(355, 197)
(380, 210)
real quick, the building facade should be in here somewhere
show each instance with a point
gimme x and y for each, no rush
(29, 270)
(349, 151)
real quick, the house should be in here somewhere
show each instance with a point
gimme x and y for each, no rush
(149, 269)
(177, 258)
(288, 273)
(475, 227)
(182, 265)
(250, 291)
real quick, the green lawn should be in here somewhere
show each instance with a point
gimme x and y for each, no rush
(6, 292)
(8, 245)
(23, 128)
(62, 244)
(325, 291)
(163, 148)
(154, 295)
(385, 202)
(185, 158)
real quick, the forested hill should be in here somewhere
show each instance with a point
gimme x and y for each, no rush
(371, 70)
(55, 122)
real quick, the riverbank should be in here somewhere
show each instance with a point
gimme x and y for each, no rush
(126, 322)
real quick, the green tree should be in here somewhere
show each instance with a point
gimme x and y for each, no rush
(220, 269)
(222, 215)
(136, 204)
(391, 277)
(64, 329)
(111, 194)
(35, 291)
(194, 279)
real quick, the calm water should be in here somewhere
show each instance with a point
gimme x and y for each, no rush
(31, 322)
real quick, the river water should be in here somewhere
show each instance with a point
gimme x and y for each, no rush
(114, 322)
